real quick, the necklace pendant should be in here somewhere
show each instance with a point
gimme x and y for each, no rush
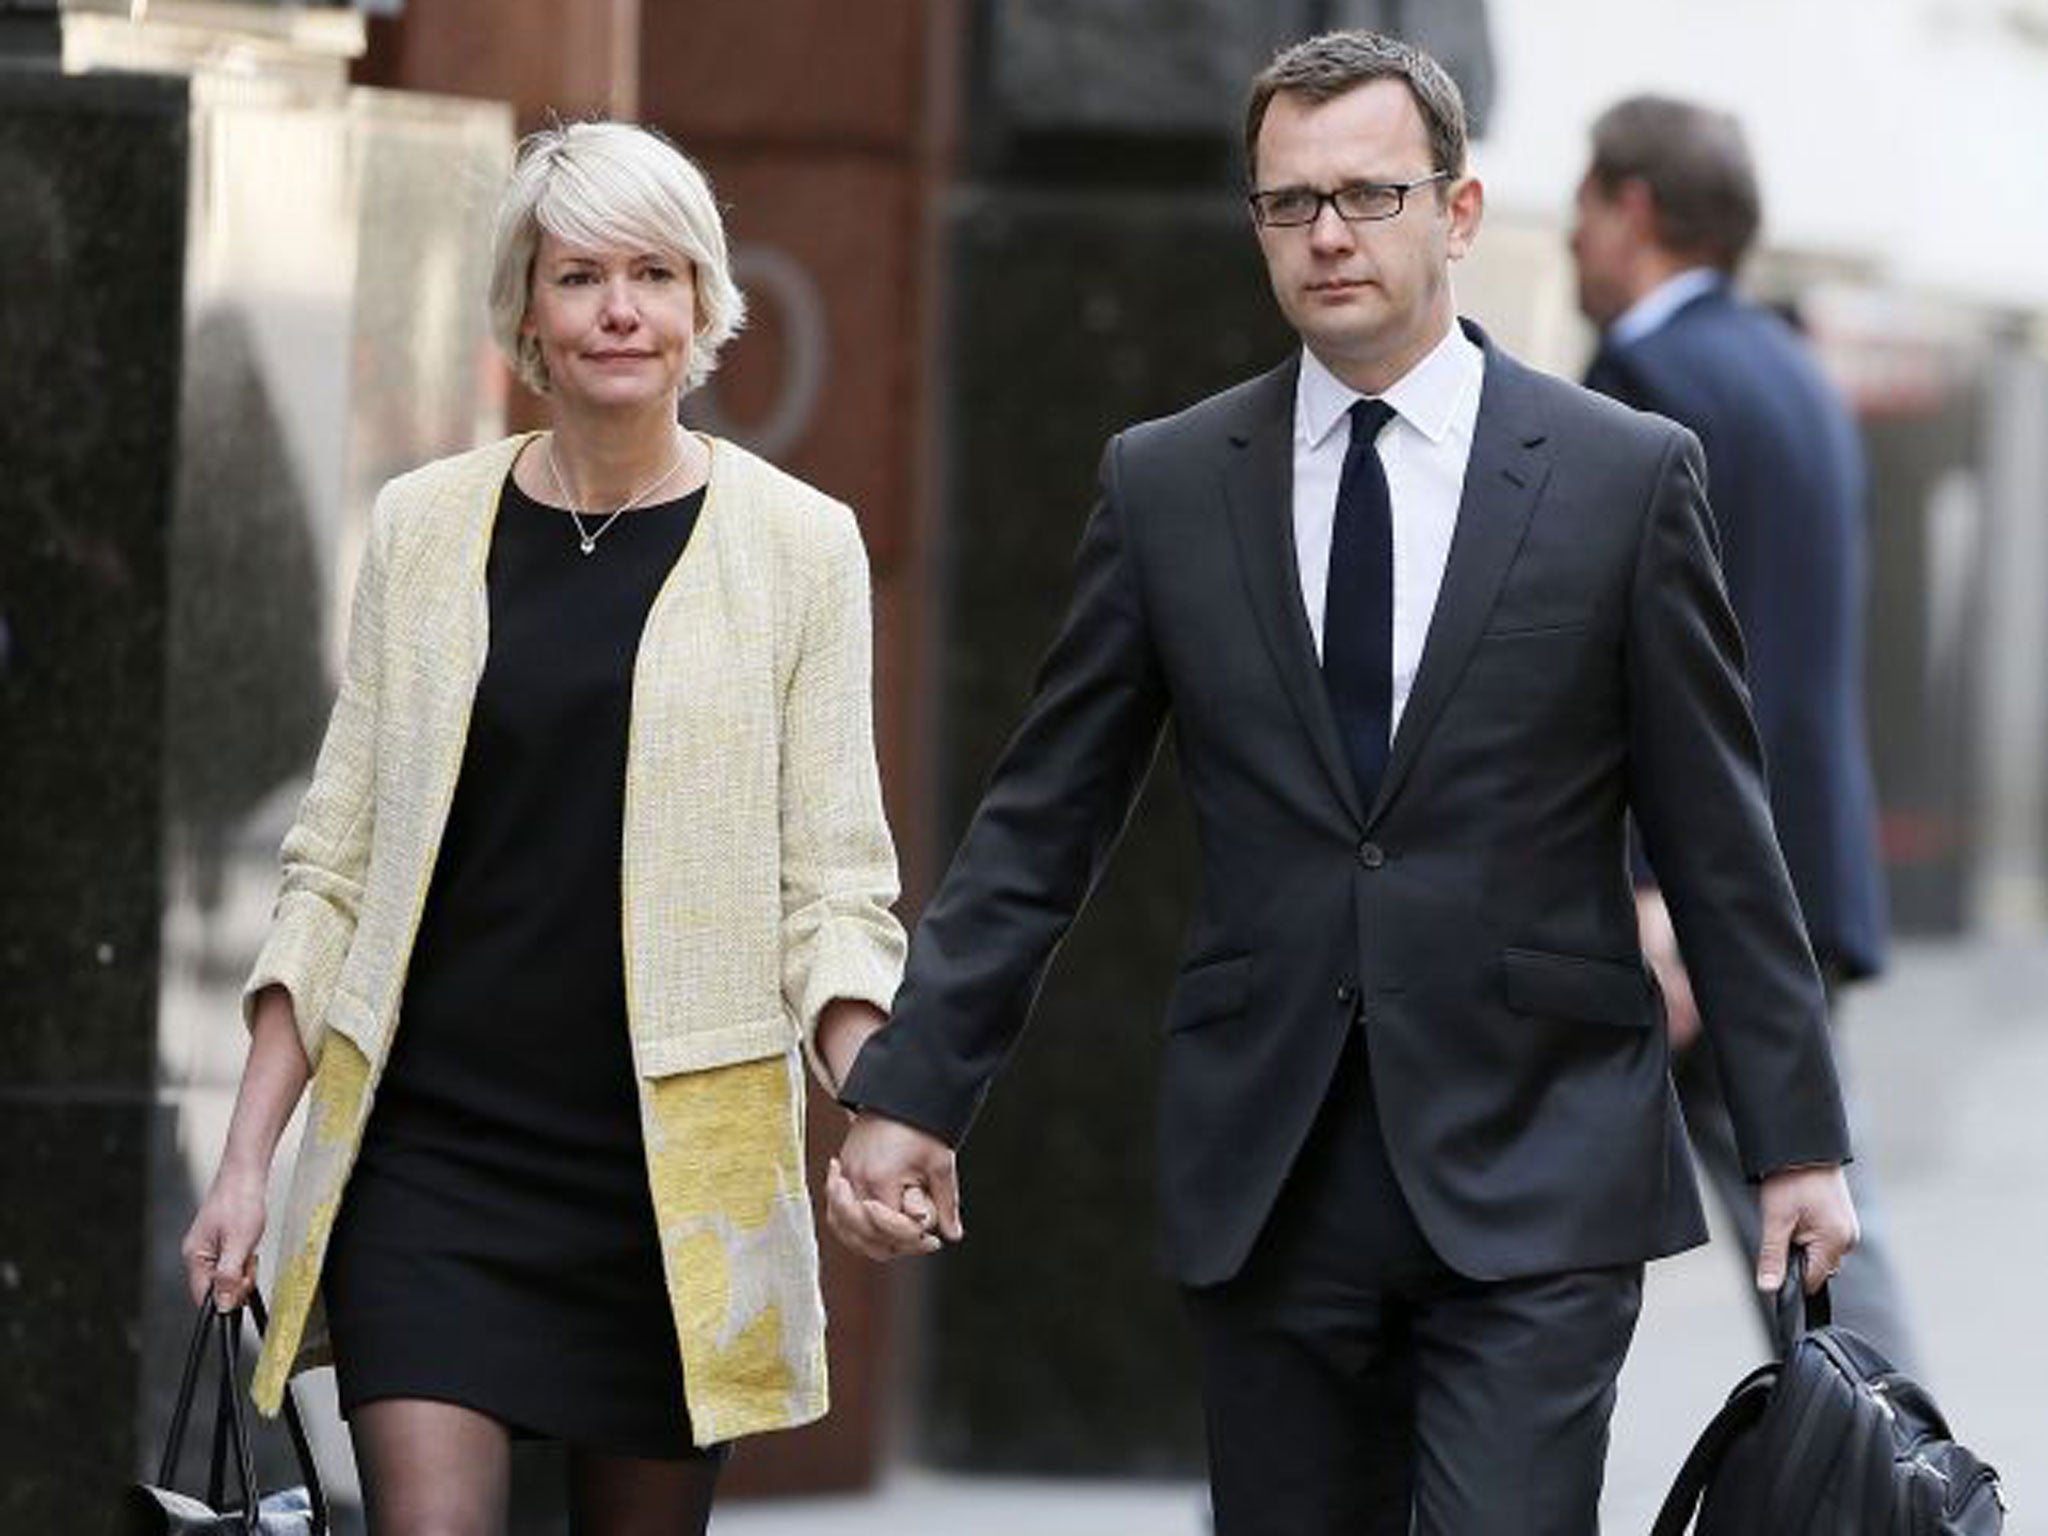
(586, 544)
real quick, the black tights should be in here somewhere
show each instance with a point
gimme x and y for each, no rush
(435, 1469)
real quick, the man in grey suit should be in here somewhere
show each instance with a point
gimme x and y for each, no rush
(1427, 626)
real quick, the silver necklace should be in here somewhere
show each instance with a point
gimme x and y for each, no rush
(586, 538)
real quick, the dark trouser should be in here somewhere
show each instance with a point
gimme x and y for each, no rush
(1355, 1386)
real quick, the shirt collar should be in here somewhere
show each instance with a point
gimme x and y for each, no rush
(1427, 396)
(1653, 311)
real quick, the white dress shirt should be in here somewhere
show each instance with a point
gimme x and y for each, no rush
(1425, 448)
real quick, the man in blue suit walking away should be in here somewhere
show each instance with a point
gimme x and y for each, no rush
(1666, 212)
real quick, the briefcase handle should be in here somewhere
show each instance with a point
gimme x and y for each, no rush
(1797, 1314)
(230, 1427)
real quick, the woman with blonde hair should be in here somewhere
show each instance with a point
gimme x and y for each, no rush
(593, 855)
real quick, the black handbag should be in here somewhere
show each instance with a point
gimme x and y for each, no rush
(158, 1509)
(1829, 1440)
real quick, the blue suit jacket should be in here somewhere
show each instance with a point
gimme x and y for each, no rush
(1786, 480)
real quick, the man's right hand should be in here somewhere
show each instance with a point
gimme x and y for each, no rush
(892, 1190)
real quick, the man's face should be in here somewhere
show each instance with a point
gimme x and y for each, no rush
(1604, 242)
(1369, 298)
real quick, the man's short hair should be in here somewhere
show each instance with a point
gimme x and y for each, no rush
(1695, 162)
(1323, 68)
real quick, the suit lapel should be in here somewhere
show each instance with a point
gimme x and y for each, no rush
(1258, 487)
(1509, 464)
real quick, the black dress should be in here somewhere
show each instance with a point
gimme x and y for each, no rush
(496, 1246)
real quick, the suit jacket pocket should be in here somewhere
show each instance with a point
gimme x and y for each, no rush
(1211, 991)
(1575, 987)
(1534, 628)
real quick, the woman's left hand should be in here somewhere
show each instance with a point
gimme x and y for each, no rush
(219, 1250)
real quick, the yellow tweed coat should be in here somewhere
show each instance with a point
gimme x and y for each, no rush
(758, 876)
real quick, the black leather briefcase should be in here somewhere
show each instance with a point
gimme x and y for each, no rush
(1830, 1440)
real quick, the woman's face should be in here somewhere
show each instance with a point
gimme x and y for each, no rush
(615, 327)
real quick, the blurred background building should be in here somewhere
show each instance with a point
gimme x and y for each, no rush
(241, 283)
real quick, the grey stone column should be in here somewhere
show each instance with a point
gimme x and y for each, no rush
(220, 332)
(92, 239)
(1052, 1342)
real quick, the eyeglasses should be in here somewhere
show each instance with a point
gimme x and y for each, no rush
(1361, 202)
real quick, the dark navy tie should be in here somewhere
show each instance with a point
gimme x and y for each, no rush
(1358, 605)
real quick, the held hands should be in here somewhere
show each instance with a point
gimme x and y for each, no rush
(892, 1190)
(1809, 1207)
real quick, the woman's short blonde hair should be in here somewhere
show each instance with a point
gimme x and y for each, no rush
(609, 187)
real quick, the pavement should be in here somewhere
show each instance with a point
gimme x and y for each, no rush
(1948, 1061)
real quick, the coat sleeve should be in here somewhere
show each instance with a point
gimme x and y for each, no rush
(839, 937)
(1054, 808)
(1696, 786)
(326, 854)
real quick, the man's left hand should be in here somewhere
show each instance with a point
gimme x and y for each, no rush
(1809, 1207)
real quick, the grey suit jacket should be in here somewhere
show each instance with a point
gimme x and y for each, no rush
(1582, 664)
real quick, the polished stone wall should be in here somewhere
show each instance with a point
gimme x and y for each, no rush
(1052, 1342)
(1147, 70)
(235, 304)
(92, 223)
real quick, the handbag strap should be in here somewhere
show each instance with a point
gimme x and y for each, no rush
(230, 1428)
(1744, 1407)
(181, 1412)
(223, 1428)
(238, 1426)
(295, 1427)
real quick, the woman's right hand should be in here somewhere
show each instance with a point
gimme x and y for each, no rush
(220, 1246)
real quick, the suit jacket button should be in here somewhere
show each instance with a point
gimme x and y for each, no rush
(1371, 855)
